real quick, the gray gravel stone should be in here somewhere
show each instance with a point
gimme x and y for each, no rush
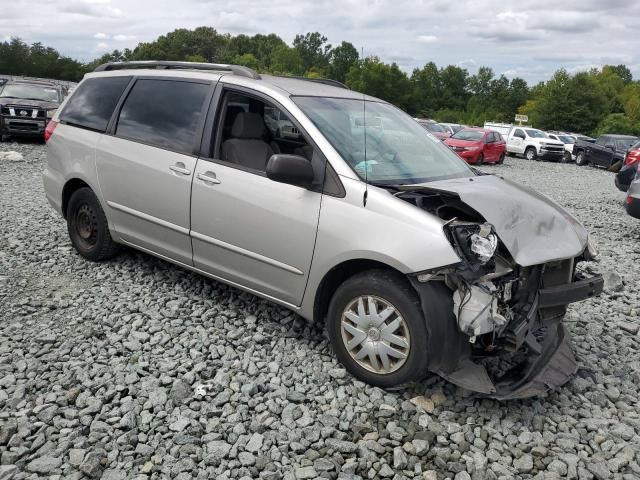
(44, 464)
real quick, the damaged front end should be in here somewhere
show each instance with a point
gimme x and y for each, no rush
(500, 331)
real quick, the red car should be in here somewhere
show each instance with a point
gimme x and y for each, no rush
(477, 146)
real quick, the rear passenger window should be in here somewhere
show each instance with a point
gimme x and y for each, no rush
(164, 113)
(93, 102)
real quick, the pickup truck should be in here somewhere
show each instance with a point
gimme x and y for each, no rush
(607, 151)
(534, 144)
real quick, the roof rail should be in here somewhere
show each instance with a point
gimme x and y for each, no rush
(325, 81)
(163, 64)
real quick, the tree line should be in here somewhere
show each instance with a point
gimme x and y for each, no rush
(605, 100)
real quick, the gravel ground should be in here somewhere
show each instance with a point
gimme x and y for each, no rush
(139, 369)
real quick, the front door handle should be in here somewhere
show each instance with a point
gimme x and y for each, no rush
(208, 177)
(180, 168)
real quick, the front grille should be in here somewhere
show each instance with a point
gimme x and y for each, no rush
(24, 126)
(17, 111)
(553, 148)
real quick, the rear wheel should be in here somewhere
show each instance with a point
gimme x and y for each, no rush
(501, 159)
(88, 227)
(580, 160)
(377, 329)
(530, 154)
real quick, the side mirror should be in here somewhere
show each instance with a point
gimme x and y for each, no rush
(290, 169)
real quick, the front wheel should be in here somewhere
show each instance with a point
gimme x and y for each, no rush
(480, 159)
(566, 158)
(377, 329)
(501, 159)
(580, 160)
(530, 153)
(88, 227)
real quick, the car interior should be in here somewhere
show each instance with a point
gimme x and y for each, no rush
(252, 131)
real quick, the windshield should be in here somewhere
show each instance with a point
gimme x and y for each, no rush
(471, 135)
(32, 92)
(566, 139)
(398, 150)
(433, 127)
(535, 133)
(625, 143)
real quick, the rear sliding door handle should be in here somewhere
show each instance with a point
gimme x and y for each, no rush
(208, 177)
(180, 168)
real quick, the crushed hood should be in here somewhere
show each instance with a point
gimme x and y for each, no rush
(532, 227)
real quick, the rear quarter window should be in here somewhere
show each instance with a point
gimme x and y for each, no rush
(92, 103)
(164, 113)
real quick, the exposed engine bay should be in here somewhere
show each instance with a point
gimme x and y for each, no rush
(498, 307)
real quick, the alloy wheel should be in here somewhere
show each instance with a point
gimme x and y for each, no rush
(375, 334)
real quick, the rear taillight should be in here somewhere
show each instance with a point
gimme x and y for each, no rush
(632, 157)
(51, 126)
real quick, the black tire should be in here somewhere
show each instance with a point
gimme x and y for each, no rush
(500, 160)
(580, 160)
(530, 154)
(566, 158)
(396, 290)
(480, 160)
(88, 227)
(615, 166)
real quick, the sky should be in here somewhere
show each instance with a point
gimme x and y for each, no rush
(526, 38)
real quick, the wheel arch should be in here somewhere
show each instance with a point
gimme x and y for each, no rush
(71, 186)
(336, 276)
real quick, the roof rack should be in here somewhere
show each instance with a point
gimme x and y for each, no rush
(325, 81)
(169, 65)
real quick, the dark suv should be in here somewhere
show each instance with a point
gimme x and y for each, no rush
(26, 106)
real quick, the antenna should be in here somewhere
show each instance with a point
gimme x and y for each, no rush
(366, 165)
(364, 124)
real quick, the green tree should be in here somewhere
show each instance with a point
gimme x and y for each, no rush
(342, 59)
(425, 90)
(286, 60)
(373, 77)
(313, 50)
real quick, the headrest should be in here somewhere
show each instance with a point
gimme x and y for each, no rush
(248, 125)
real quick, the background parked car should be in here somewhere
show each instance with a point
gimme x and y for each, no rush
(26, 106)
(435, 128)
(452, 128)
(607, 151)
(629, 168)
(568, 142)
(633, 199)
(477, 146)
(534, 144)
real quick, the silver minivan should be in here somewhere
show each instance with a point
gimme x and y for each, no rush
(412, 260)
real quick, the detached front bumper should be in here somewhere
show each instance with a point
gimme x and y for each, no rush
(549, 361)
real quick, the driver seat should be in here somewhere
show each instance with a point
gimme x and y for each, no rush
(246, 146)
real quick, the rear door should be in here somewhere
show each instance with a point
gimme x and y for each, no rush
(490, 147)
(145, 166)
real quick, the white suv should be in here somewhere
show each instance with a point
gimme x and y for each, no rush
(414, 261)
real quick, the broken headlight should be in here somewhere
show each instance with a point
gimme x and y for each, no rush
(475, 242)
